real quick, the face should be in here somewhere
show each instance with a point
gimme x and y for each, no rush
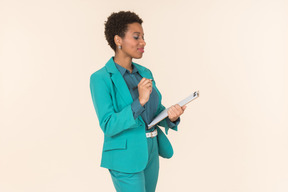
(133, 42)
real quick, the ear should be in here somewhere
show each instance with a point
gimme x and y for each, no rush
(117, 40)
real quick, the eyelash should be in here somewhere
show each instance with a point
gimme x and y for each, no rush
(138, 38)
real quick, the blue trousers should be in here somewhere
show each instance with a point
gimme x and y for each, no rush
(144, 181)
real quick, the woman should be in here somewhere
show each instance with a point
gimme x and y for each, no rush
(126, 100)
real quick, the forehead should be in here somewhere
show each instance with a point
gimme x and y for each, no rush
(134, 28)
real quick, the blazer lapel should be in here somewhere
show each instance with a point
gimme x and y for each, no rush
(122, 87)
(119, 82)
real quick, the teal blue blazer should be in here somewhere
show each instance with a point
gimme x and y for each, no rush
(125, 142)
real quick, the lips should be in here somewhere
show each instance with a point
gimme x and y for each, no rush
(141, 50)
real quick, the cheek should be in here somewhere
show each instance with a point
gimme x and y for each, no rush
(131, 44)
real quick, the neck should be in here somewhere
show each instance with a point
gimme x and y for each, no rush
(123, 61)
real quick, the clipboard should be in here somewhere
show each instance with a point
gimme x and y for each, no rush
(164, 113)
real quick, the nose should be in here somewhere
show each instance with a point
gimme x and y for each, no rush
(143, 43)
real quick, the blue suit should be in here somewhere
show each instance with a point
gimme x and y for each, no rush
(125, 143)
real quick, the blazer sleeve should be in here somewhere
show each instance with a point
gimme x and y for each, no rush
(167, 123)
(111, 122)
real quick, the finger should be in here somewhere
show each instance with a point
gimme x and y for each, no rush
(147, 82)
(142, 81)
(173, 111)
(177, 110)
(177, 106)
(150, 90)
(171, 114)
(147, 86)
(181, 109)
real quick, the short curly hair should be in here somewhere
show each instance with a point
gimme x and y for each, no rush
(117, 24)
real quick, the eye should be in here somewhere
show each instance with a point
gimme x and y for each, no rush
(136, 37)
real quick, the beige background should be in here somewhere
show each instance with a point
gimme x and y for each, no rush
(234, 138)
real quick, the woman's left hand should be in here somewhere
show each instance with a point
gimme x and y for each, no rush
(175, 111)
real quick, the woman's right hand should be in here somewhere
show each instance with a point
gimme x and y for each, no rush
(144, 89)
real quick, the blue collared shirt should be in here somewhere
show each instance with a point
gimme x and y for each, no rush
(148, 111)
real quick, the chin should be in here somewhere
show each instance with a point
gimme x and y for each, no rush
(138, 56)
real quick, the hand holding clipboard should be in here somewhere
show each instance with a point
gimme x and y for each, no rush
(164, 113)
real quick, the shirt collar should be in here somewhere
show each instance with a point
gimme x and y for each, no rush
(122, 70)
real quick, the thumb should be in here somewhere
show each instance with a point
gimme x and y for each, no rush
(184, 107)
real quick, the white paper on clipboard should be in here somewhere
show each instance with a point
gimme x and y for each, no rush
(164, 113)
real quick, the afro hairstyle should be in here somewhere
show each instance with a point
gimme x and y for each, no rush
(117, 24)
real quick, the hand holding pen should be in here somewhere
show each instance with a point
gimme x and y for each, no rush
(144, 89)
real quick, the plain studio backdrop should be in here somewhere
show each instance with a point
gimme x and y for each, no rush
(233, 138)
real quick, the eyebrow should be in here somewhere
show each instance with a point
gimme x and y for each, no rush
(138, 33)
